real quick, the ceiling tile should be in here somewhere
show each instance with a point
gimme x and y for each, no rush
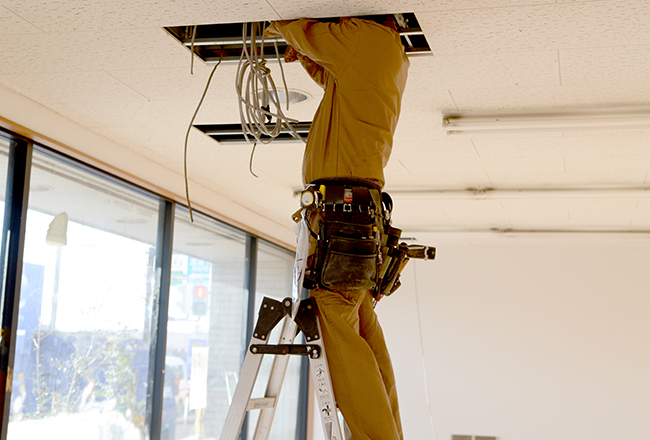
(11, 24)
(606, 65)
(434, 150)
(170, 83)
(593, 145)
(74, 115)
(70, 87)
(293, 9)
(537, 27)
(609, 164)
(450, 5)
(515, 179)
(538, 68)
(571, 205)
(424, 91)
(476, 98)
(537, 219)
(333, 8)
(137, 113)
(606, 216)
(73, 51)
(78, 15)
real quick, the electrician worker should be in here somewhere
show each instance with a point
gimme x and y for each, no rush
(363, 67)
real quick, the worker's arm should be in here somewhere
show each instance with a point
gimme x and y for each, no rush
(315, 70)
(272, 29)
(330, 45)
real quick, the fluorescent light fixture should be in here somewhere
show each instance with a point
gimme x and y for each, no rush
(521, 193)
(509, 232)
(526, 121)
(587, 233)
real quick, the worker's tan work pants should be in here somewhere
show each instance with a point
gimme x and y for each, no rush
(360, 366)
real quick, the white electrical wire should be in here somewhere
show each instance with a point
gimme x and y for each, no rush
(187, 135)
(259, 101)
(423, 351)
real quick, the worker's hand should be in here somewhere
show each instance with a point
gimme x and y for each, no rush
(272, 29)
(290, 54)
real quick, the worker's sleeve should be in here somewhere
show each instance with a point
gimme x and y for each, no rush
(272, 29)
(315, 70)
(329, 44)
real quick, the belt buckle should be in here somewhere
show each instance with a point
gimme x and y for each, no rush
(347, 207)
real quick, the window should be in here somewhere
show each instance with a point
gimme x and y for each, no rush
(4, 159)
(82, 348)
(206, 330)
(89, 353)
(274, 278)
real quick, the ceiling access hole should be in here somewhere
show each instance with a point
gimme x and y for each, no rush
(232, 133)
(225, 40)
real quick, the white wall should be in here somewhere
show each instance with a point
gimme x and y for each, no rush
(524, 343)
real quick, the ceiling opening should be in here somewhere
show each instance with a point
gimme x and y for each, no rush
(225, 40)
(232, 133)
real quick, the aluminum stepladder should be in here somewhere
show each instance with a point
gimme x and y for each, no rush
(296, 315)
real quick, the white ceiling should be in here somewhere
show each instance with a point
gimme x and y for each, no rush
(110, 67)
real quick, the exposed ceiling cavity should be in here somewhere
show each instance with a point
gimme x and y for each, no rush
(225, 41)
(232, 133)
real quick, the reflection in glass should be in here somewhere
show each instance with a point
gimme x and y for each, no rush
(206, 327)
(274, 277)
(82, 348)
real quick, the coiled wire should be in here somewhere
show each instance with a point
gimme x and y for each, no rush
(255, 98)
(259, 103)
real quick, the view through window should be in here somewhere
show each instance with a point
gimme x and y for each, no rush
(206, 326)
(274, 278)
(86, 313)
(82, 348)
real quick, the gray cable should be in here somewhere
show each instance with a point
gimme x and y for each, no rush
(187, 135)
(257, 94)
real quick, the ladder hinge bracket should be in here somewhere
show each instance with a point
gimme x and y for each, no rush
(307, 319)
(270, 314)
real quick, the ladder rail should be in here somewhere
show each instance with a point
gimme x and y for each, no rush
(275, 381)
(242, 395)
(307, 320)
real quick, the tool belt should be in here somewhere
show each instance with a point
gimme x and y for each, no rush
(354, 246)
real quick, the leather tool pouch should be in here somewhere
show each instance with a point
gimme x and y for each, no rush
(348, 256)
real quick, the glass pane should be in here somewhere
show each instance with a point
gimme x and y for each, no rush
(82, 349)
(274, 272)
(206, 327)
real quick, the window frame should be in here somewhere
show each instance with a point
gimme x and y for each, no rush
(21, 151)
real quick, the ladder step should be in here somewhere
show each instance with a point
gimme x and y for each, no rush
(261, 403)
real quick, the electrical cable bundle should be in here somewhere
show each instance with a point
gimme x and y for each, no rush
(259, 100)
(256, 92)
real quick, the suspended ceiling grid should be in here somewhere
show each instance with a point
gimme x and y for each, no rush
(112, 69)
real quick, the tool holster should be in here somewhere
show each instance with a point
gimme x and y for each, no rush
(353, 245)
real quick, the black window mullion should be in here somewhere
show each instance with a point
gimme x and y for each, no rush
(11, 256)
(251, 281)
(250, 278)
(159, 313)
(303, 390)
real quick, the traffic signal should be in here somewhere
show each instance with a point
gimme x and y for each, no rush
(200, 301)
